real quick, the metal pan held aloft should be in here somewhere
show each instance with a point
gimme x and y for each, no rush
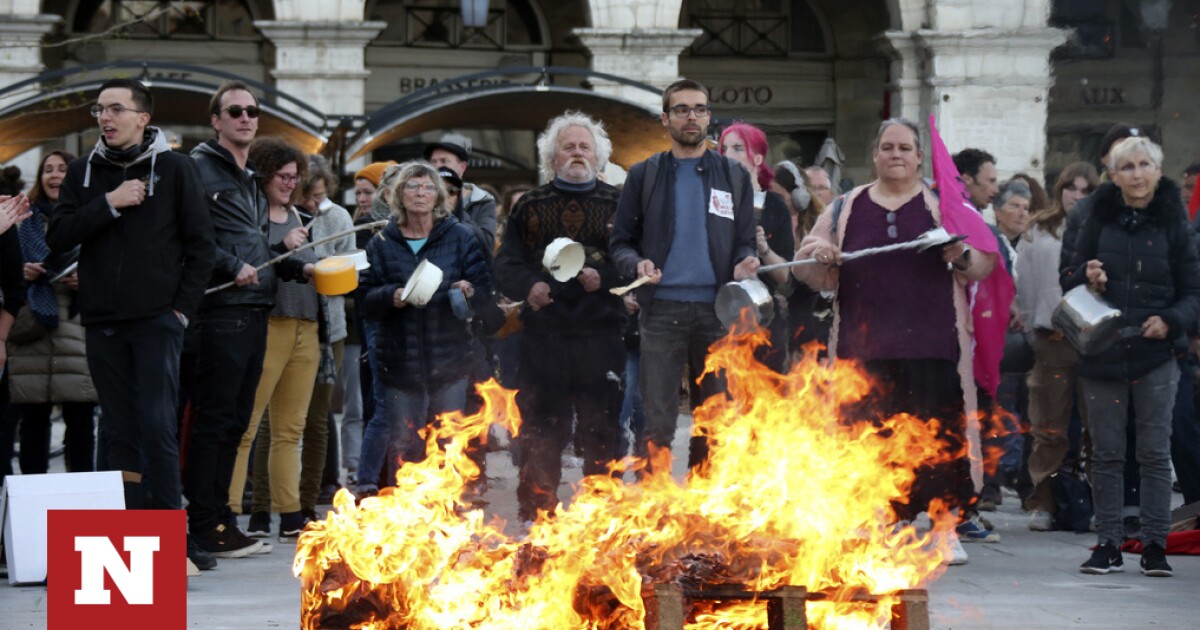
(563, 258)
(750, 293)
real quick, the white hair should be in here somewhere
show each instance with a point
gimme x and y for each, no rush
(547, 143)
(1126, 148)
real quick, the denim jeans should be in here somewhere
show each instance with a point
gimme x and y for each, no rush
(376, 413)
(408, 411)
(633, 413)
(1153, 395)
(135, 368)
(669, 330)
(1185, 434)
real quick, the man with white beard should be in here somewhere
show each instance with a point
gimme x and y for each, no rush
(572, 355)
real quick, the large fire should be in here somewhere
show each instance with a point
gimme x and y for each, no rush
(789, 496)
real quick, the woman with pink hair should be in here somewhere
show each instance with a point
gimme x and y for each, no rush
(747, 145)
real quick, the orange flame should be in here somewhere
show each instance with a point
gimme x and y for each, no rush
(789, 496)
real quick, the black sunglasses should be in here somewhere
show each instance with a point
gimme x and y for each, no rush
(235, 111)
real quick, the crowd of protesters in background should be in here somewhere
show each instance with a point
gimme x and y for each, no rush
(137, 289)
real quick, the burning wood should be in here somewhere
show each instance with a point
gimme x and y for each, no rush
(790, 496)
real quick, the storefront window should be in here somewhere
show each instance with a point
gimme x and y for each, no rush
(439, 24)
(192, 19)
(761, 28)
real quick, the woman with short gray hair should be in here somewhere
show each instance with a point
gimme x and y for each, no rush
(1136, 249)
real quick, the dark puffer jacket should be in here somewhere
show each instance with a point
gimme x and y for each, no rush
(1152, 268)
(422, 346)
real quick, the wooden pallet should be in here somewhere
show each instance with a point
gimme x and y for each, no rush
(666, 605)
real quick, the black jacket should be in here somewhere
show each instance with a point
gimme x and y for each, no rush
(239, 216)
(422, 346)
(1152, 268)
(644, 230)
(148, 259)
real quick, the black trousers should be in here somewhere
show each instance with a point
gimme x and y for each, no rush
(135, 367)
(566, 382)
(233, 341)
(80, 436)
(927, 389)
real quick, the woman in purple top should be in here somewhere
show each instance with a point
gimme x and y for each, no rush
(903, 315)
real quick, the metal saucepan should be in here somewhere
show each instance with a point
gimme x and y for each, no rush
(1089, 322)
(750, 293)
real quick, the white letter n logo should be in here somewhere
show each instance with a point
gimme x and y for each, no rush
(136, 581)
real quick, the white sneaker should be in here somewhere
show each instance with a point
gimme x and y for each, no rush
(958, 555)
(1041, 521)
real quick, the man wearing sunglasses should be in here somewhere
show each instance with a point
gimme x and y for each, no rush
(230, 334)
(136, 209)
(686, 221)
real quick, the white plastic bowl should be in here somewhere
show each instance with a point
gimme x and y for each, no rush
(563, 259)
(421, 286)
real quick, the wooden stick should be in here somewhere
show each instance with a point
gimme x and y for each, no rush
(332, 237)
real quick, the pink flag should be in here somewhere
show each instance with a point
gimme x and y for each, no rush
(994, 295)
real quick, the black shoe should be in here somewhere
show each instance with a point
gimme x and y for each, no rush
(1154, 561)
(309, 515)
(291, 524)
(260, 525)
(1105, 558)
(199, 557)
(229, 542)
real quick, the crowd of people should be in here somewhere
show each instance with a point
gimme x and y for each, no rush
(173, 293)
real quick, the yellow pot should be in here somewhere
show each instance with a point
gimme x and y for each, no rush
(335, 276)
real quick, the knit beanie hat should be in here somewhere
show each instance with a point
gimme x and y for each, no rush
(373, 172)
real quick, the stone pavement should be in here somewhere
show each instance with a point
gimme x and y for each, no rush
(1028, 580)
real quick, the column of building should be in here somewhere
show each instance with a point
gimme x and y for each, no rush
(983, 71)
(638, 39)
(21, 33)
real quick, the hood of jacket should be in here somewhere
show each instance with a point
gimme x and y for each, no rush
(154, 143)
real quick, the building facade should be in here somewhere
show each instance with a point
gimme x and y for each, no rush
(1035, 82)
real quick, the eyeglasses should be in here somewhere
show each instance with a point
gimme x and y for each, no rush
(113, 110)
(287, 178)
(235, 111)
(892, 231)
(413, 187)
(683, 111)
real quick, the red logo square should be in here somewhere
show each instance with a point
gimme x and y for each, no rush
(116, 569)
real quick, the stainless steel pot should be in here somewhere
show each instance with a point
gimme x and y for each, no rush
(749, 293)
(1090, 323)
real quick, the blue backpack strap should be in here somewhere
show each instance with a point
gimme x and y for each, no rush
(649, 176)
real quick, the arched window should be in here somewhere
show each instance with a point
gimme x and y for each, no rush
(440, 24)
(190, 19)
(754, 28)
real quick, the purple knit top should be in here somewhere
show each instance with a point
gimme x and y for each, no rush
(898, 305)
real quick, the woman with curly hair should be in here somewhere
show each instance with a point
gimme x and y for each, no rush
(291, 360)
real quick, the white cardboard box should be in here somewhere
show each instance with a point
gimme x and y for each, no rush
(25, 501)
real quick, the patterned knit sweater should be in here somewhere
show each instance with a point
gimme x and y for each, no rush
(541, 216)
